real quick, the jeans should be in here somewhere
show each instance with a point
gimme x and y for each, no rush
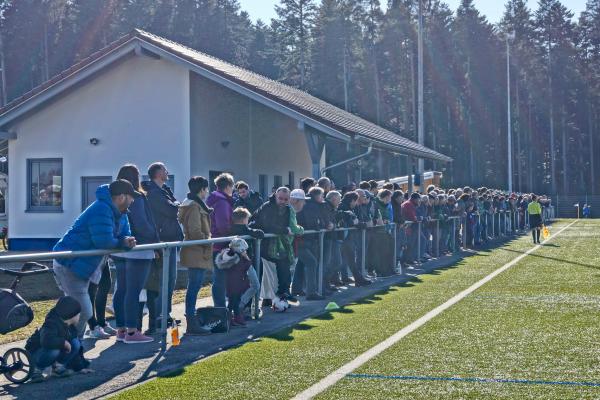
(172, 280)
(195, 280)
(284, 275)
(131, 278)
(254, 288)
(218, 284)
(43, 358)
(74, 286)
(351, 254)
(298, 278)
(307, 258)
(333, 260)
(98, 296)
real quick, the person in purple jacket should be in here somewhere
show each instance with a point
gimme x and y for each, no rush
(221, 201)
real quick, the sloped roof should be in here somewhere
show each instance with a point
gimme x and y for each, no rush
(292, 98)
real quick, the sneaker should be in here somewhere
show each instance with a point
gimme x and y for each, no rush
(290, 298)
(121, 335)
(136, 338)
(347, 281)
(109, 330)
(60, 371)
(36, 376)
(98, 333)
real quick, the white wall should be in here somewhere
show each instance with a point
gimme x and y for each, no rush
(139, 110)
(261, 140)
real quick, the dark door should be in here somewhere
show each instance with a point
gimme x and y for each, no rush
(89, 184)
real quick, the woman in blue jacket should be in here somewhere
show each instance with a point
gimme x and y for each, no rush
(133, 268)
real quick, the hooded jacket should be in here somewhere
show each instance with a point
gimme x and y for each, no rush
(100, 226)
(220, 218)
(164, 209)
(194, 216)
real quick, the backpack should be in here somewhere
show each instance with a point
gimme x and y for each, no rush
(15, 313)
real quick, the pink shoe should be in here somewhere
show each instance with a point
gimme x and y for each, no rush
(136, 338)
(121, 335)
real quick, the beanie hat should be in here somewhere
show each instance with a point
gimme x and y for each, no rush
(67, 307)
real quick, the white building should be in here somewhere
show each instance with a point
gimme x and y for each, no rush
(144, 99)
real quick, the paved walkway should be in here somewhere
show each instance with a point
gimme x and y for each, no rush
(119, 366)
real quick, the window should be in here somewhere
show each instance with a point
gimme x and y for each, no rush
(277, 181)
(292, 180)
(44, 185)
(263, 184)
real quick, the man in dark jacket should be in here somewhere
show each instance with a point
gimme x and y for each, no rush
(310, 218)
(164, 208)
(246, 198)
(352, 243)
(220, 226)
(103, 225)
(56, 343)
(274, 217)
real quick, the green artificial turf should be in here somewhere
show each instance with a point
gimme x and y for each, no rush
(538, 321)
(286, 363)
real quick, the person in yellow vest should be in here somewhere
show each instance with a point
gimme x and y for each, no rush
(535, 218)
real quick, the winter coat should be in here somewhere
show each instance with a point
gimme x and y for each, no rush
(52, 336)
(141, 220)
(194, 216)
(220, 219)
(100, 226)
(251, 203)
(270, 218)
(164, 209)
(236, 277)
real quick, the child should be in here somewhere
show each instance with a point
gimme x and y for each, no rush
(56, 343)
(236, 263)
(239, 227)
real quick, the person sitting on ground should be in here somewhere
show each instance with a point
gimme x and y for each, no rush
(56, 343)
(103, 225)
(247, 198)
(194, 216)
(240, 219)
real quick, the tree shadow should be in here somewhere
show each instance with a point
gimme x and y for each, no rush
(556, 259)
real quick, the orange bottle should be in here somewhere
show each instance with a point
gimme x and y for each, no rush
(175, 336)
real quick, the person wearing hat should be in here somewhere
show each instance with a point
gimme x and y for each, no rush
(103, 225)
(56, 343)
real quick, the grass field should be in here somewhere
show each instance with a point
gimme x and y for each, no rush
(518, 336)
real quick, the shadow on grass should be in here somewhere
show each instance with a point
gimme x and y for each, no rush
(556, 259)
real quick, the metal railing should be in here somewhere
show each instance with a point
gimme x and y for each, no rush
(458, 229)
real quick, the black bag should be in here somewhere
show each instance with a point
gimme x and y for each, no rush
(216, 319)
(380, 253)
(15, 313)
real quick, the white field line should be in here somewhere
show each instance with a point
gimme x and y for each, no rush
(348, 368)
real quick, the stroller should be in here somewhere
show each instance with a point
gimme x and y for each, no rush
(15, 313)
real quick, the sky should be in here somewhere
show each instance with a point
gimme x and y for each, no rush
(492, 9)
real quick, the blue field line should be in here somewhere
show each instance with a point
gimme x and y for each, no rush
(477, 380)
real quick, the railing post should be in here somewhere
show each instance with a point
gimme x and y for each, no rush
(453, 235)
(419, 241)
(258, 263)
(363, 255)
(437, 238)
(493, 225)
(164, 290)
(395, 237)
(321, 272)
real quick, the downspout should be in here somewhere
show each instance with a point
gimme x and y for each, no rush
(369, 150)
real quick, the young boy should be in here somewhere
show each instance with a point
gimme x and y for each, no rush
(239, 227)
(236, 263)
(56, 343)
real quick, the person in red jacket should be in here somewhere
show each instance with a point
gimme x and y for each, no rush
(409, 214)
